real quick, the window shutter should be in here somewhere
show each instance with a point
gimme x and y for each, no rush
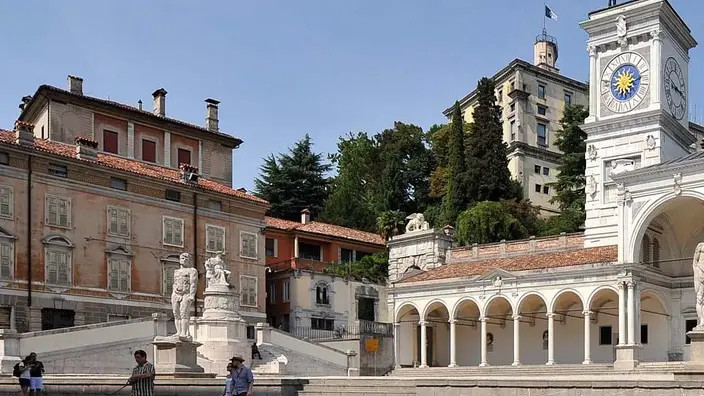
(178, 237)
(168, 231)
(52, 211)
(125, 277)
(51, 269)
(210, 235)
(219, 240)
(63, 270)
(112, 218)
(5, 202)
(124, 222)
(6, 261)
(114, 276)
(63, 212)
(168, 279)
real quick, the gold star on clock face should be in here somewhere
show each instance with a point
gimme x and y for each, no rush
(624, 81)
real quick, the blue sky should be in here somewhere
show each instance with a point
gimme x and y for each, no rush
(284, 68)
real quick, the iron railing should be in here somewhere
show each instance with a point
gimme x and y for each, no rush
(342, 332)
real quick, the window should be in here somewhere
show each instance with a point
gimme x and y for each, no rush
(119, 221)
(173, 231)
(541, 91)
(184, 156)
(322, 296)
(284, 291)
(542, 110)
(118, 184)
(58, 170)
(346, 255)
(365, 309)
(538, 188)
(58, 211)
(322, 324)
(248, 245)
(119, 275)
(568, 98)
(542, 135)
(689, 325)
(248, 291)
(53, 318)
(309, 251)
(6, 203)
(271, 247)
(645, 247)
(4, 158)
(58, 267)
(513, 130)
(214, 238)
(656, 252)
(148, 151)
(7, 259)
(110, 142)
(172, 195)
(512, 106)
(605, 336)
(169, 264)
(546, 190)
(536, 168)
(272, 293)
(215, 205)
(546, 171)
(644, 334)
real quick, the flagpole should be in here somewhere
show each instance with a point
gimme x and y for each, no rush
(544, 16)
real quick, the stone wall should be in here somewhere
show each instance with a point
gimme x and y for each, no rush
(422, 250)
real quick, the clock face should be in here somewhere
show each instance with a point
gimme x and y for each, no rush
(625, 82)
(675, 90)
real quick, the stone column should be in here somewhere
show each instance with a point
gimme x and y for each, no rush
(453, 343)
(130, 140)
(551, 339)
(483, 346)
(516, 341)
(295, 247)
(655, 51)
(631, 313)
(622, 313)
(397, 344)
(167, 150)
(587, 337)
(423, 344)
(593, 84)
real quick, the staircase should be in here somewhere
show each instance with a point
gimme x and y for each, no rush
(358, 386)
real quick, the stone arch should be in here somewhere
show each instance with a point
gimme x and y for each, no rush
(526, 296)
(650, 292)
(487, 304)
(432, 306)
(647, 214)
(408, 306)
(559, 294)
(463, 302)
(596, 292)
(655, 329)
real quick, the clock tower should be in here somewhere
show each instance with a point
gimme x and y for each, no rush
(638, 101)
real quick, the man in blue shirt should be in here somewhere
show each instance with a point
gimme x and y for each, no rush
(242, 378)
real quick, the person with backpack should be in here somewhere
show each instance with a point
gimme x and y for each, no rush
(22, 371)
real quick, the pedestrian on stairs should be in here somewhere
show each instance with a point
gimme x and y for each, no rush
(255, 351)
(242, 378)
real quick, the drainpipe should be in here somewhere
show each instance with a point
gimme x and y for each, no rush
(195, 246)
(29, 230)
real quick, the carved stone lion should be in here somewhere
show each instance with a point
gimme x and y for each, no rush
(416, 222)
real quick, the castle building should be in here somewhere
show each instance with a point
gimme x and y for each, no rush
(622, 292)
(532, 98)
(99, 199)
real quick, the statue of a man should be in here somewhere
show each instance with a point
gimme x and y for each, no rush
(216, 273)
(184, 294)
(698, 267)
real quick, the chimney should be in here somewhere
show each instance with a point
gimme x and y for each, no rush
(75, 85)
(139, 104)
(305, 216)
(160, 102)
(24, 133)
(86, 148)
(25, 101)
(211, 114)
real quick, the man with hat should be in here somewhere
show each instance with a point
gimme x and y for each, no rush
(242, 378)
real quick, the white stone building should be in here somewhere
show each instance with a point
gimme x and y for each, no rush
(622, 293)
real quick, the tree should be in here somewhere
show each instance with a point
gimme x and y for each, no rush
(352, 202)
(390, 223)
(294, 181)
(569, 187)
(493, 221)
(487, 165)
(456, 198)
(374, 267)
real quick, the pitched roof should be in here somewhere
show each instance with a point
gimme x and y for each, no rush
(128, 165)
(603, 254)
(331, 230)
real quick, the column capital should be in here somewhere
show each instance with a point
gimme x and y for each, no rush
(631, 284)
(452, 321)
(550, 315)
(621, 285)
(423, 323)
(482, 319)
(516, 317)
(586, 313)
(656, 34)
(591, 49)
(397, 324)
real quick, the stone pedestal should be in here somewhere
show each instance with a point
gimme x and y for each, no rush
(626, 357)
(176, 358)
(694, 368)
(9, 350)
(221, 330)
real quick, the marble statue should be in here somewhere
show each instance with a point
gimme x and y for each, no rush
(698, 267)
(183, 295)
(215, 272)
(416, 223)
(619, 166)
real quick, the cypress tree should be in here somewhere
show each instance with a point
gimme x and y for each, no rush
(456, 198)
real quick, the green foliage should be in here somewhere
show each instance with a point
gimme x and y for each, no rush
(294, 181)
(493, 221)
(390, 223)
(456, 198)
(567, 221)
(373, 267)
(487, 165)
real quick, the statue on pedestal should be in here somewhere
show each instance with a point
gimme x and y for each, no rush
(416, 222)
(183, 295)
(215, 273)
(698, 267)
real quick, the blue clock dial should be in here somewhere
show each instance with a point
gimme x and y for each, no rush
(624, 82)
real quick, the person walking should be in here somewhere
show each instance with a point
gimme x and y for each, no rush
(228, 381)
(21, 370)
(142, 379)
(36, 382)
(242, 378)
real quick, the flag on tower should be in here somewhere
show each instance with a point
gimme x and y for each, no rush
(550, 13)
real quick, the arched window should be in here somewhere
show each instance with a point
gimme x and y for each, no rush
(645, 249)
(58, 260)
(322, 294)
(656, 253)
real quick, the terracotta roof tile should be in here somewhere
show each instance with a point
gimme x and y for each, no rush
(604, 254)
(128, 165)
(316, 227)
